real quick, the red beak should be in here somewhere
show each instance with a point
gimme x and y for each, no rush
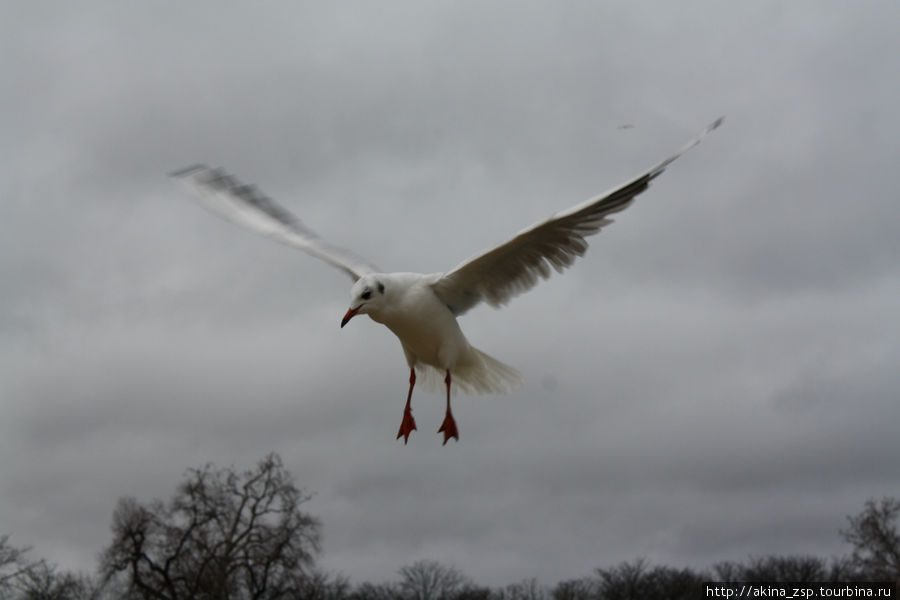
(350, 314)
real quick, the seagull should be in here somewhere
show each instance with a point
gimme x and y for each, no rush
(422, 309)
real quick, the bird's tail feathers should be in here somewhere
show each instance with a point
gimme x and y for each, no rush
(477, 373)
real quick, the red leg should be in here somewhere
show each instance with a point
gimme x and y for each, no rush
(449, 424)
(408, 424)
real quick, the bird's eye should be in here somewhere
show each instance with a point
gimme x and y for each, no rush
(366, 295)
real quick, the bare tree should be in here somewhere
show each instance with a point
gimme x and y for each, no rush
(527, 589)
(318, 585)
(876, 540)
(636, 580)
(12, 565)
(223, 536)
(473, 592)
(788, 569)
(371, 591)
(576, 589)
(25, 579)
(430, 580)
(798, 568)
(17, 572)
(626, 581)
(45, 582)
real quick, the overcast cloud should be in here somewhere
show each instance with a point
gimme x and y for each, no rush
(716, 378)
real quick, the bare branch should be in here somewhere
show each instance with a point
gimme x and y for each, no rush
(222, 535)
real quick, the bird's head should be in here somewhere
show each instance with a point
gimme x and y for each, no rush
(366, 297)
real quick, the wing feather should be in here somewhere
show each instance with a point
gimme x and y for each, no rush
(244, 205)
(498, 275)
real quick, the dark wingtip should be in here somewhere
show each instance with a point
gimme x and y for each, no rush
(187, 170)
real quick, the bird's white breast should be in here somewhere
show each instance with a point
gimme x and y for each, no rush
(424, 324)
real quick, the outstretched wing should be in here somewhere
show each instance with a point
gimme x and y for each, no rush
(246, 206)
(517, 265)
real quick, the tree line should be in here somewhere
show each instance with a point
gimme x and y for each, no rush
(226, 535)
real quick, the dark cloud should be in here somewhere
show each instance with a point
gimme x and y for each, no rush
(716, 378)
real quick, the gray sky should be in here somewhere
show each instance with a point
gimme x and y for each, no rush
(716, 378)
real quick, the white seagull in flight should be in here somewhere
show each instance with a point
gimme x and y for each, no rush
(420, 309)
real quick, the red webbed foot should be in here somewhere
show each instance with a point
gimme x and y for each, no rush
(448, 427)
(449, 424)
(407, 426)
